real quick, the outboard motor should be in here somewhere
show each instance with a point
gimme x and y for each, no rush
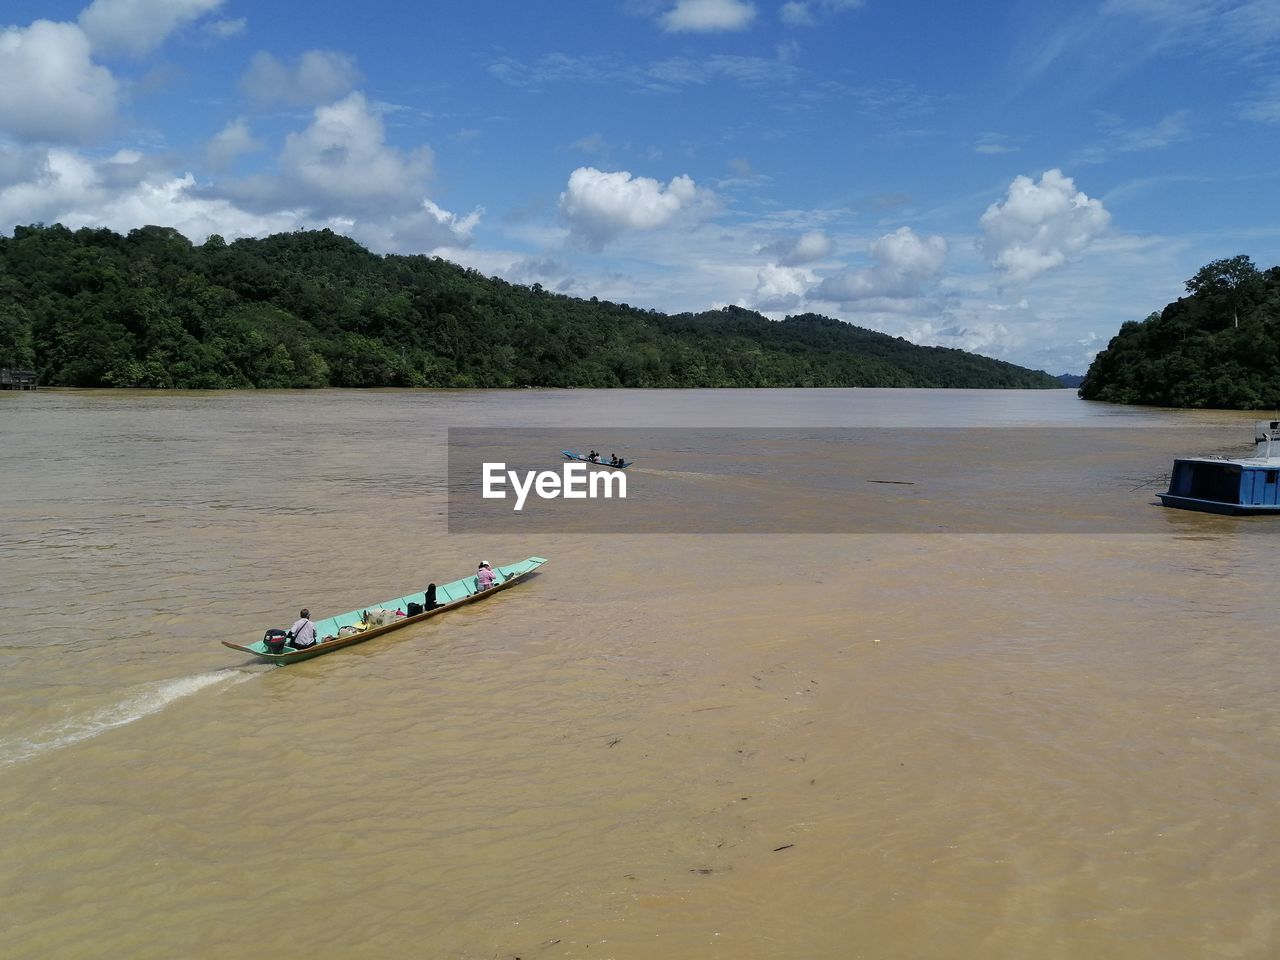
(274, 640)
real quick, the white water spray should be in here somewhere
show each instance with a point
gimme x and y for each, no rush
(146, 699)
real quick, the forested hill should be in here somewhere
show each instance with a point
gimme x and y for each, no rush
(1217, 347)
(312, 309)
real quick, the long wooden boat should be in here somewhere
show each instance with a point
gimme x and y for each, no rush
(570, 455)
(353, 627)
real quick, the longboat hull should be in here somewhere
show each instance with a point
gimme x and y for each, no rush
(579, 458)
(1217, 506)
(459, 594)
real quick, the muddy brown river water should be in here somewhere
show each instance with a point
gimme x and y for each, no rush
(881, 745)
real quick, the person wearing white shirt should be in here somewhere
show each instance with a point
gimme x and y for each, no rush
(303, 631)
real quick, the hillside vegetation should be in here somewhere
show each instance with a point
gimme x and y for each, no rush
(313, 309)
(1217, 347)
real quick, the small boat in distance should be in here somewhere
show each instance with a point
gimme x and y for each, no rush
(570, 455)
(1230, 485)
(359, 625)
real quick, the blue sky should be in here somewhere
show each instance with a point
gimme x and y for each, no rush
(1012, 178)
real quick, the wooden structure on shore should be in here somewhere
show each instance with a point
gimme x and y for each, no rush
(18, 379)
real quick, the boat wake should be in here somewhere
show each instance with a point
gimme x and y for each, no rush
(146, 700)
(684, 474)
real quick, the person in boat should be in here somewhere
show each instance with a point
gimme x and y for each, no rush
(303, 632)
(615, 460)
(593, 457)
(485, 577)
(429, 598)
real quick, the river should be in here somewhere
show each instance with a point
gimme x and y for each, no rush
(825, 745)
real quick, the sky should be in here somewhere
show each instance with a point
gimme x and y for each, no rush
(1012, 178)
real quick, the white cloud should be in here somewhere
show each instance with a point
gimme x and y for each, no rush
(131, 190)
(989, 338)
(122, 192)
(223, 29)
(19, 164)
(136, 27)
(1265, 107)
(342, 161)
(54, 180)
(806, 248)
(1169, 129)
(676, 72)
(1039, 226)
(1120, 137)
(50, 90)
(318, 77)
(1224, 25)
(705, 16)
(600, 206)
(781, 288)
(903, 263)
(340, 172)
(994, 143)
(230, 142)
(804, 13)
(425, 229)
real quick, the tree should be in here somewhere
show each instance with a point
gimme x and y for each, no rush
(313, 308)
(1223, 275)
(1217, 347)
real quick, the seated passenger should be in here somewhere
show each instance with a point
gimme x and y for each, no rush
(484, 576)
(429, 598)
(303, 632)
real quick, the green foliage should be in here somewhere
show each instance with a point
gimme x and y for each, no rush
(1217, 347)
(314, 309)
